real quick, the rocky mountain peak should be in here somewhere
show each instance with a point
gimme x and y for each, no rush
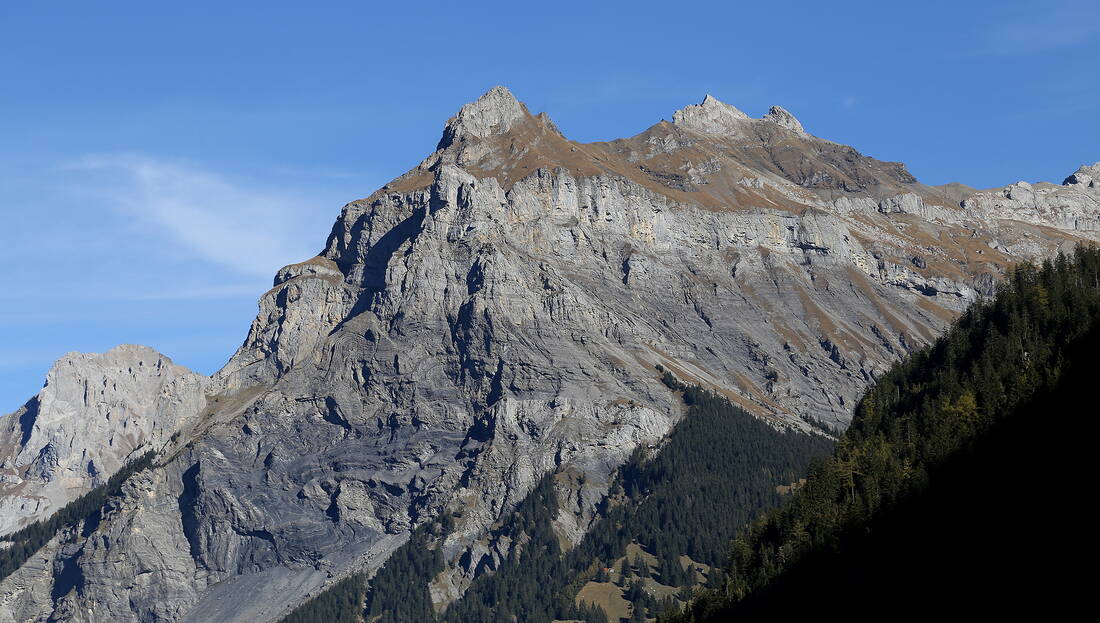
(710, 116)
(95, 412)
(499, 313)
(495, 112)
(781, 116)
(1085, 175)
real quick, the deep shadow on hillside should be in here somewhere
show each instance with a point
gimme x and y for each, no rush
(1002, 529)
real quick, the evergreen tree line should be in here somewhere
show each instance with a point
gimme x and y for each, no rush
(719, 468)
(87, 508)
(999, 368)
(398, 593)
(340, 603)
(527, 585)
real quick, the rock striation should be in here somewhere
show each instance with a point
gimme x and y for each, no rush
(498, 313)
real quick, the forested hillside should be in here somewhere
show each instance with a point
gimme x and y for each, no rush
(682, 502)
(719, 469)
(957, 487)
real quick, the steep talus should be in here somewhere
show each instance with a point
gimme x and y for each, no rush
(499, 312)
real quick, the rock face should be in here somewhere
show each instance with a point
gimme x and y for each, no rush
(780, 116)
(94, 413)
(1087, 175)
(1073, 206)
(498, 312)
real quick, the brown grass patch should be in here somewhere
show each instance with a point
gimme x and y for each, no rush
(607, 596)
(942, 313)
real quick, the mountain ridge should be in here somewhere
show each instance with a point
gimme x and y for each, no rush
(500, 311)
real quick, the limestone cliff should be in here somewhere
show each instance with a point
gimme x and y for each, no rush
(499, 312)
(94, 413)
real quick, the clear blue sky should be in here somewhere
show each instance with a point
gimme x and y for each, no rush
(160, 161)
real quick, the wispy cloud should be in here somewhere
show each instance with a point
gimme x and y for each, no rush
(136, 292)
(197, 293)
(1044, 26)
(246, 228)
(15, 358)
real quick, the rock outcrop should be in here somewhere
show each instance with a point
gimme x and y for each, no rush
(94, 414)
(499, 312)
(1073, 206)
(1086, 175)
(781, 116)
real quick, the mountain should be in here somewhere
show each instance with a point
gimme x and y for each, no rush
(95, 413)
(505, 312)
(947, 493)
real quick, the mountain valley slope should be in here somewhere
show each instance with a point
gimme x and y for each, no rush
(943, 494)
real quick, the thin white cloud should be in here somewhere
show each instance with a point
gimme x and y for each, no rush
(248, 229)
(15, 358)
(197, 293)
(139, 293)
(1045, 26)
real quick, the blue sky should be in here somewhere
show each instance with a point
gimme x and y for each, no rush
(160, 161)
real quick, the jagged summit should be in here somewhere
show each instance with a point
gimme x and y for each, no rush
(496, 315)
(1085, 175)
(496, 136)
(710, 116)
(783, 117)
(713, 116)
(495, 112)
(498, 111)
(95, 412)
